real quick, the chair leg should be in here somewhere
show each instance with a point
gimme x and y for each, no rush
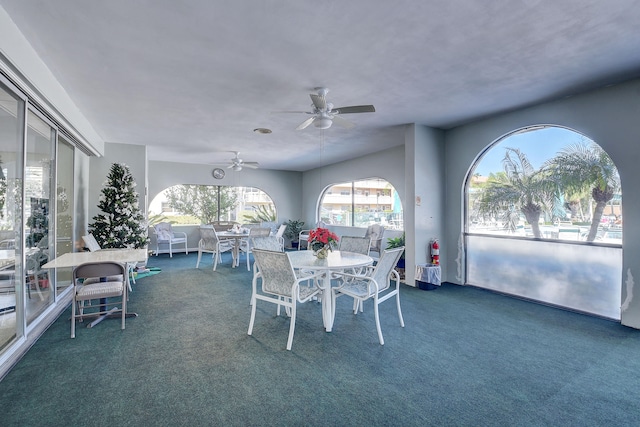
(124, 306)
(131, 267)
(399, 310)
(377, 316)
(198, 261)
(292, 326)
(73, 318)
(216, 257)
(253, 313)
(333, 306)
(170, 251)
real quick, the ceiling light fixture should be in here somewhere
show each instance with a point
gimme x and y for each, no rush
(237, 168)
(323, 122)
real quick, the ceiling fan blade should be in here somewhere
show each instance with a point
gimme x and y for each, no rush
(343, 122)
(292, 111)
(250, 165)
(319, 102)
(306, 123)
(354, 109)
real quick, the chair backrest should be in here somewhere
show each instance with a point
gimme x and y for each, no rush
(268, 243)
(259, 232)
(359, 245)
(208, 238)
(388, 260)
(222, 225)
(8, 244)
(98, 269)
(273, 226)
(375, 232)
(277, 273)
(164, 230)
(91, 243)
(35, 260)
(280, 232)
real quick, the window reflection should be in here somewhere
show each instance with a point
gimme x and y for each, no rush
(64, 210)
(10, 195)
(38, 182)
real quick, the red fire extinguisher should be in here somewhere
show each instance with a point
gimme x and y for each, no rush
(435, 252)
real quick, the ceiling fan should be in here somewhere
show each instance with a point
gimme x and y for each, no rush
(324, 113)
(237, 163)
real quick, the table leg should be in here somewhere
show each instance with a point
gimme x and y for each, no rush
(236, 253)
(327, 303)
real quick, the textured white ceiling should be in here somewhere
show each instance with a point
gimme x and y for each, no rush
(193, 78)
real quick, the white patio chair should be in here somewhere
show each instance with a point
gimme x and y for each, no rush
(246, 244)
(280, 234)
(209, 243)
(166, 236)
(375, 232)
(375, 284)
(359, 245)
(280, 286)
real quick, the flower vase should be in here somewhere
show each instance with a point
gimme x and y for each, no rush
(322, 253)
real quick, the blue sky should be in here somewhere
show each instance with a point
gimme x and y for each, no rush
(538, 145)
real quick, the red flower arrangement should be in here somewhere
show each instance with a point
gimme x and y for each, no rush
(321, 237)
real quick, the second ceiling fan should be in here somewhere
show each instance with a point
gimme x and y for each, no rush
(324, 113)
(237, 163)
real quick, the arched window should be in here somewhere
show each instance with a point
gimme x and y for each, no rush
(540, 183)
(544, 221)
(362, 203)
(202, 204)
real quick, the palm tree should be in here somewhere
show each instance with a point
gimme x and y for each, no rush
(581, 167)
(519, 189)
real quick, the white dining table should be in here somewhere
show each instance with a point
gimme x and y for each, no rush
(123, 256)
(337, 261)
(72, 259)
(237, 237)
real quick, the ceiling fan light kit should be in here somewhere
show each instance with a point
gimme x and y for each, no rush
(323, 123)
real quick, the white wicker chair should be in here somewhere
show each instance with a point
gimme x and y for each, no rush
(280, 286)
(209, 243)
(375, 284)
(166, 236)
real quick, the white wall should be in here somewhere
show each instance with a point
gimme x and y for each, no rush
(21, 63)
(424, 204)
(387, 164)
(609, 116)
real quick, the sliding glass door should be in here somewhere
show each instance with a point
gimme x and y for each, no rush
(11, 143)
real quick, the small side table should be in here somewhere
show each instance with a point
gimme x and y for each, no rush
(428, 276)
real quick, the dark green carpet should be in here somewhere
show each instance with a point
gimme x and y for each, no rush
(466, 358)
